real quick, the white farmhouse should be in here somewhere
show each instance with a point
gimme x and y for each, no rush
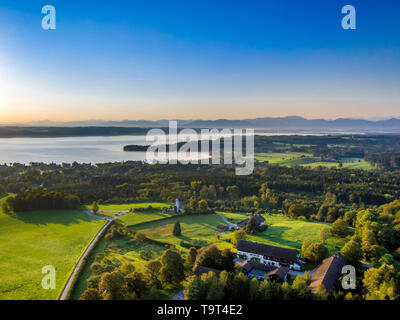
(269, 255)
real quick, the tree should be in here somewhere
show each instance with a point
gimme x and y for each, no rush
(212, 257)
(301, 285)
(172, 267)
(227, 261)
(306, 243)
(339, 228)
(296, 210)
(238, 235)
(381, 283)
(127, 268)
(315, 252)
(177, 232)
(193, 289)
(136, 283)
(153, 269)
(95, 207)
(111, 285)
(203, 205)
(192, 254)
(90, 294)
(323, 234)
(321, 293)
(351, 251)
(252, 225)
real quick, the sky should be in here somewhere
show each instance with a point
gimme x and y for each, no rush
(191, 59)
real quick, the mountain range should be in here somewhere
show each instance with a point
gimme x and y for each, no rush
(290, 123)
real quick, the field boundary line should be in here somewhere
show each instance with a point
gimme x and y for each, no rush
(71, 279)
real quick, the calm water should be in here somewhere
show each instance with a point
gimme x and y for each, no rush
(80, 149)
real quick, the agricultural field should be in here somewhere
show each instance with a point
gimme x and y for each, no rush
(284, 158)
(195, 229)
(291, 159)
(347, 163)
(285, 232)
(282, 231)
(135, 217)
(31, 240)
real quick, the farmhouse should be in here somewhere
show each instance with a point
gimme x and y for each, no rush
(258, 217)
(261, 271)
(269, 255)
(328, 273)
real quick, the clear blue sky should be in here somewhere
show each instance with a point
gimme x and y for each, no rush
(198, 59)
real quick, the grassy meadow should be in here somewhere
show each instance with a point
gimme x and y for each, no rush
(32, 240)
(291, 159)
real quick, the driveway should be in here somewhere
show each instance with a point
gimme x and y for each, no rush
(116, 216)
(230, 225)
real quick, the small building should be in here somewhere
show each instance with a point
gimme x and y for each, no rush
(260, 219)
(261, 271)
(328, 273)
(199, 270)
(269, 255)
(178, 206)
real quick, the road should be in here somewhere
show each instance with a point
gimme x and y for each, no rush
(74, 273)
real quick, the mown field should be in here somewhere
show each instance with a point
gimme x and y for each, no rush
(282, 231)
(285, 232)
(135, 217)
(32, 240)
(291, 159)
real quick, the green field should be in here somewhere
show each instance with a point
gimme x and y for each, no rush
(282, 231)
(32, 240)
(135, 217)
(291, 159)
(195, 227)
(346, 164)
(284, 158)
(285, 232)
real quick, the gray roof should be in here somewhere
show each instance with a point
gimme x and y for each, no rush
(266, 250)
(328, 273)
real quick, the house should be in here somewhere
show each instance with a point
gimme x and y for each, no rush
(260, 219)
(205, 270)
(328, 273)
(269, 255)
(261, 271)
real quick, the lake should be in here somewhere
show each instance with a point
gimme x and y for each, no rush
(79, 149)
(96, 149)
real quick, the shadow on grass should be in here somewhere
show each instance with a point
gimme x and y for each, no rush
(276, 234)
(64, 217)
